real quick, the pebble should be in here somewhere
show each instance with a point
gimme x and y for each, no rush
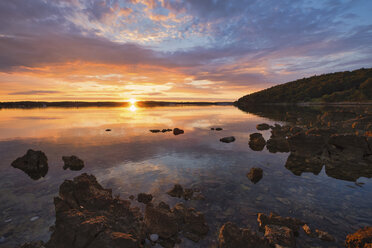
(34, 218)
(154, 237)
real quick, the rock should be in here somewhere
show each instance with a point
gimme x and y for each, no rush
(307, 144)
(212, 128)
(298, 164)
(218, 129)
(166, 130)
(228, 139)
(277, 144)
(32, 219)
(360, 239)
(230, 236)
(33, 163)
(280, 131)
(256, 142)
(178, 131)
(144, 198)
(294, 130)
(161, 221)
(108, 130)
(131, 197)
(154, 237)
(73, 163)
(34, 244)
(324, 235)
(168, 222)
(308, 230)
(274, 219)
(177, 191)
(255, 175)
(88, 215)
(155, 130)
(263, 126)
(188, 194)
(280, 235)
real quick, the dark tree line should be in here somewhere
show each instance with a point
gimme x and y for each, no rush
(348, 86)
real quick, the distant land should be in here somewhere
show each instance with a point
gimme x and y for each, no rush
(341, 87)
(78, 104)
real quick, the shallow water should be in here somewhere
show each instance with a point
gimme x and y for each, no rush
(130, 160)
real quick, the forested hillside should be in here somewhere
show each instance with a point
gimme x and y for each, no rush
(354, 86)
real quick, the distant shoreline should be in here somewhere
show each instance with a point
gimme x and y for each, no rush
(309, 104)
(79, 104)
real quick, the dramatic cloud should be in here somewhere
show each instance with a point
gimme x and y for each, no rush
(174, 49)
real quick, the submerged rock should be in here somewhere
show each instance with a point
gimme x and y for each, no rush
(324, 235)
(255, 174)
(263, 126)
(33, 163)
(178, 131)
(228, 139)
(256, 142)
(72, 163)
(177, 191)
(144, 198)
(274, 219)
(231, 236)
(280, 235)
(360, 239)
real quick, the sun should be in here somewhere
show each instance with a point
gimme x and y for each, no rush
(132, 100)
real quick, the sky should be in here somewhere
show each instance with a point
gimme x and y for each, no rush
(174, 50)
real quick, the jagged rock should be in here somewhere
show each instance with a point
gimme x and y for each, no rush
(308, 230)
(73, 163)
(178, 131)
(360, 239)
(277, 144)
(228, 139)
(255, 174)
(274, 219)
(231, 236)
(33, 163)
(263, 126)
(256, 142)
(280, 235)
(144, 198)
(87, 214)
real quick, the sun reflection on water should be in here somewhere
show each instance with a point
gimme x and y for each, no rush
(133, 108)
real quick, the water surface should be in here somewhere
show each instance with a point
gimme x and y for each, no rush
(130, 160)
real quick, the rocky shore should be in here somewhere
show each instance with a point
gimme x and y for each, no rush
(87, 215)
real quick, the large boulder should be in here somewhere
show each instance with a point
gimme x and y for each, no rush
(178, 131)
(33, 163)
(360, 239)
(274, 219)
(231, 236)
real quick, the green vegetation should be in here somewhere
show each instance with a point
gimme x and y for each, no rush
(354, 86)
